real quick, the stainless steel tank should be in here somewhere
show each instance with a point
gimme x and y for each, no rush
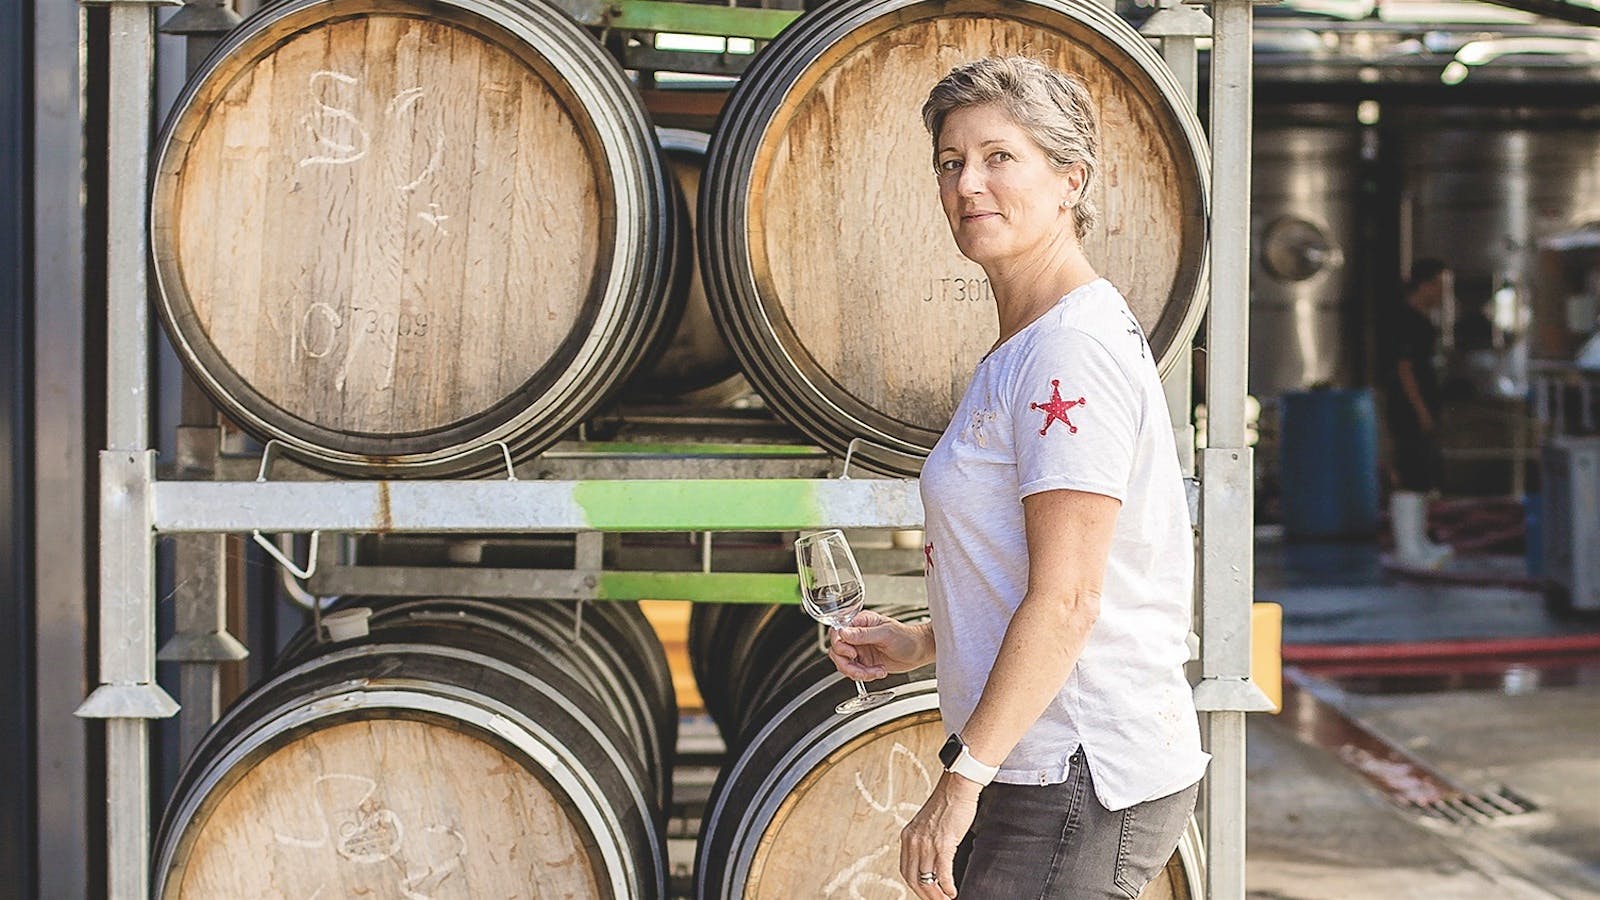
(1481, 195)
(1305, 182)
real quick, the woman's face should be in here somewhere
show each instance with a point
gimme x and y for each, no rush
(1000, 193)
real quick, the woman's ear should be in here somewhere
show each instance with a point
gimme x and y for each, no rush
(1075, 175)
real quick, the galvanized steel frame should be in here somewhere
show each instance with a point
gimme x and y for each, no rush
(1227, 533)
(135, 507)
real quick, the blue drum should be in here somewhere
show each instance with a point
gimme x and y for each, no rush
(1328, 464)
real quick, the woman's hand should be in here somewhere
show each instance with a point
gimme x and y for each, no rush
(875, 645)
(928, 843)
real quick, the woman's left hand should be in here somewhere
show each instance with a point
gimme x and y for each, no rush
(928, 843)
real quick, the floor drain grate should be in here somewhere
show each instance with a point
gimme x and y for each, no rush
(1408, 780)
(1496, 804)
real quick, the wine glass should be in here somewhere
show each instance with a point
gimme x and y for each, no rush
(832, 592)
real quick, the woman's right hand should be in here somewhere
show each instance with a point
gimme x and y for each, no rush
(874, 645)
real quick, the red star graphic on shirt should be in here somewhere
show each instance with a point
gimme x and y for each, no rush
(1057, 408)
(927, 551)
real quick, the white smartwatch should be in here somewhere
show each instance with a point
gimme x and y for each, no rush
(960, 761)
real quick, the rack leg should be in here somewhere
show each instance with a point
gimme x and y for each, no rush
(127, 808)
(201, 642)
(1227, 528)
(128, 694)
(1224, 804)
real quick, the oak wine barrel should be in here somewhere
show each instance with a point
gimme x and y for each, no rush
(735, 649)
(827, 258)
(811, 803)
(390, 233)
(696, 367)
(439, 756)
(609, 648)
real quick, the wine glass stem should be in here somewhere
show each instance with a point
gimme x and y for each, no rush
(861, 690)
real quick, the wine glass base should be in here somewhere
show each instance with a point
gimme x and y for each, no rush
(858, 703)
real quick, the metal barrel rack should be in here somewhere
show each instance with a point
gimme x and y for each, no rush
(136, 508)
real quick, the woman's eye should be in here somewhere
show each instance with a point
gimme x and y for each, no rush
(950, 165)
(1002, 156)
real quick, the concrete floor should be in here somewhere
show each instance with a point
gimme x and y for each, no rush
(1340, 593)
(1320, 831)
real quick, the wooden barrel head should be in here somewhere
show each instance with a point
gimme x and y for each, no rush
(399, 230)
(385, 808)
(837, 833)
(866, 318)
(383, 224)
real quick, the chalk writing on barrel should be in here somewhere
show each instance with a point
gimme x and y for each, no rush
(364, 831)
(342, 138)
(320, 327)
(905, 776)
(342, 145)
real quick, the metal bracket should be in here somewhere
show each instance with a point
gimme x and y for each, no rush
(208, 647)
(588, 554)
(201, 18)
(266, 458)
(505, 452)
(505, 455)
(128, 701)
(301, 594)
(285, 561)
(1223, 694)
(850, 452)
(1225, 561)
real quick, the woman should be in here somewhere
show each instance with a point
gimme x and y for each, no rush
(1059, 552)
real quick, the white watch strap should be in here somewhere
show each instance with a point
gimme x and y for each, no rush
(968, 767)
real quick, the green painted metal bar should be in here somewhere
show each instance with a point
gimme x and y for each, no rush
(701, 587)
(729, 504)
(735, 504)
(699, 18)
(537, 585)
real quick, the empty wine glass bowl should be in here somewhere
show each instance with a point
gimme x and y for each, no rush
(832, 592)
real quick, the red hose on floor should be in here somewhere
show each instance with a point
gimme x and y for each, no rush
(1534, 646)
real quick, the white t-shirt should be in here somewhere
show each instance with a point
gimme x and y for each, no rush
(1072, 401)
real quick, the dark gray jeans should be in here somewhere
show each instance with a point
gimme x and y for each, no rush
(1056, 842)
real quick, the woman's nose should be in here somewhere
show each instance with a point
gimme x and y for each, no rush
(970, 181)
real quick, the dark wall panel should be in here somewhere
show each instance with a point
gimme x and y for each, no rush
(16, 552)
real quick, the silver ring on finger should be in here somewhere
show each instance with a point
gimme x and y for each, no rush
(928, 878)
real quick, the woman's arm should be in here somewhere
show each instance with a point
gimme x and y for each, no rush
(1069, 539)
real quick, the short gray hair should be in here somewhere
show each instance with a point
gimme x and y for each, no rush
(1054, 108)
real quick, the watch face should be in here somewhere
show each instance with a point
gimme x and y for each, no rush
(950, 750)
